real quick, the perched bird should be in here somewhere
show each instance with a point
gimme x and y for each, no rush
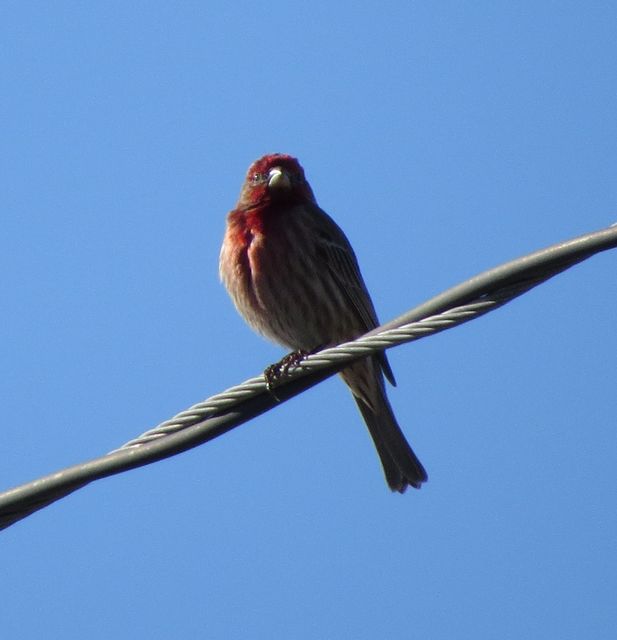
(294, 277)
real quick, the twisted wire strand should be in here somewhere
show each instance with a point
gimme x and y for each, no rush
(220, 413)
(325, 359)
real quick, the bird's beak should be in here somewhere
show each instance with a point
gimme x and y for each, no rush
(278, 179)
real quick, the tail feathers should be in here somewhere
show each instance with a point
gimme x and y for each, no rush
(400, 464)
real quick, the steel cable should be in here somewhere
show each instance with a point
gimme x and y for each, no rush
(220, 413)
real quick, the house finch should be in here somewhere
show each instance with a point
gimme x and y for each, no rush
(294, 277)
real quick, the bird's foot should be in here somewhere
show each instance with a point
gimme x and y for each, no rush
(275, 372)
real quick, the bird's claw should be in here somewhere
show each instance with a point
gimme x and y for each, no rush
(275, 372)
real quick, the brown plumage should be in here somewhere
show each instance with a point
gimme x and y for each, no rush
(294, 277)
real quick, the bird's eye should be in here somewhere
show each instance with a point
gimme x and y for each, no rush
(259, 178)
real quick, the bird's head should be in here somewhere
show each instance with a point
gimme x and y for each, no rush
(275, 178)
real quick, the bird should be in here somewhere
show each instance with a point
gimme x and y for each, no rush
(293, 276)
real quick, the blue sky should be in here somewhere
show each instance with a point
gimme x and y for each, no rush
(445, 139)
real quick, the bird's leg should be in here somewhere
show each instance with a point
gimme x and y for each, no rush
(292, 359)
(275, 372)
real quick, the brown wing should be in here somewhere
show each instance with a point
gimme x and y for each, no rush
(343, 265)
